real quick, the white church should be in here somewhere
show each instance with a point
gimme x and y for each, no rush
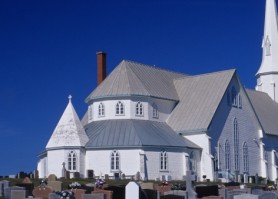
(156, 124)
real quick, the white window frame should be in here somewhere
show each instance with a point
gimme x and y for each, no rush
(115, 161)
(101, 110)
(155, 111)
(72, 161)
(245, 156)
(227, 155)
(234, 96)
(120, 108)
(236, 146)
(139, 109)
(163, 161)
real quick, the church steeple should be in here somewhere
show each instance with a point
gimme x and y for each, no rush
(267, 76)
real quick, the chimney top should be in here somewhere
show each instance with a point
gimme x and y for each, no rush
(101, 66)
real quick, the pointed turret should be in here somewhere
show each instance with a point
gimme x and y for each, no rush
(267, 76)
(69, 130)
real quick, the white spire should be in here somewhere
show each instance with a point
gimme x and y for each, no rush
(267, 76)
(270, 40)
(69, 130)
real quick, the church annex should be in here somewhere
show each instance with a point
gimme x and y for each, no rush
(152, 123)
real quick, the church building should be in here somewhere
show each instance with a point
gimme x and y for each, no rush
(150, 123)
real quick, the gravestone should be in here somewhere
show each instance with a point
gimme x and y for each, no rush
(28, 185)
(257, 191)
(190, 191)
(52, 182)
(78, 193)
(268, 195)
(42, 192)
(53, 196)
(212, 197)
(147, 185)
(176, 193)
(232, 194)
(203, 191)
(8, 190)
(118, 191)
(93, 196)
(245, 178)
(18, 194)
(132, 191)
(149, 194)
(108, 194)
(1, 189)
(246, 196)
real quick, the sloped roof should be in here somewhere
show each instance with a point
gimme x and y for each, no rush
(69, 130)
(133, 133)
(131, 78)
(199, 98)
(266, 110)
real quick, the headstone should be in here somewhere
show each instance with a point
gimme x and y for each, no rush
(93, 196)
(53, 196)
(147, 185)
(268, 195)
(257, 191)
(149, 194)
(176, 193)
(246, 196)
(1, 189)
(8, 190)
(26, 180)
(212, 197)
(78, 193)
(190, 191)
(107, 194)
(56, 185)
(52, 177)
(42, 192)
(18, 194)
(203, 191)
(256, 179)
(132, 191)
(118, 191)
(231, 194)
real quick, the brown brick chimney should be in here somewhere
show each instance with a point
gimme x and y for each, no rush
(101, 67)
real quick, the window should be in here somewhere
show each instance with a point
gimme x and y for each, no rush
(163, 161)
(192, 162)
(234, 97)
(72, 161)
(265, 155)
(120, 108)
(101, 110)
(139, 109)
(245, 158)
(155, 111)
(115, 161)
(236, 145)
(239, 101)
(267, 47)
(227, 155)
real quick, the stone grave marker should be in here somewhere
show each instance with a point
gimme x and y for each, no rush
(268, 195)
(8, 190)
(118, 191)
(147, 185)
(78, 193)
(18, 194)
(257, 191)
(42, 192)
(52, 182)
(246, 196)
(150, 194)
(231, 194)
(53, 196)
(108, 194)
(203, 191)
(176, 193)
(132, 191)
(94, 196)
(189, 189)
(28, 185)
(212, 197)
(1, 189)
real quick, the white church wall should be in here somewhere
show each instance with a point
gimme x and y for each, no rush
(268, 84)
(222, 130)
(164, 108)
(176, 164)
(100, 161)
(42, 167)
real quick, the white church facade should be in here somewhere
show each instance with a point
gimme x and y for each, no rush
(156, 124)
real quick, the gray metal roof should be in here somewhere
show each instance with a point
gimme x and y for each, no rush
(266, 110)
(133, 133)
(131, 78)
(199, 98)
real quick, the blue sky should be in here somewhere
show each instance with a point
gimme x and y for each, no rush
(48, 51)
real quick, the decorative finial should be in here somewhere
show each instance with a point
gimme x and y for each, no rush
(70, 98)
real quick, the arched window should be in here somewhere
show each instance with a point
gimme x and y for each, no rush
(239, 101)
(245, 158)
(236, 145)
(267, 47)
(192, 162)
(101, 110)
(139, 109)
(234, 96)
(227, 156)
(115, 161)
(120, 108)
(163, 160)
(155, 111)
(71, 161)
